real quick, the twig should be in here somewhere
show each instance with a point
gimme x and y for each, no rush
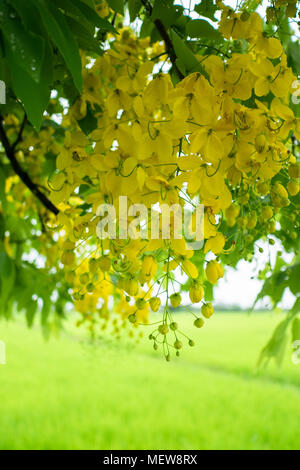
(114, 19)
(166, 38)
(169, 46)
(211, 47)
(9, 150)
(19, 138)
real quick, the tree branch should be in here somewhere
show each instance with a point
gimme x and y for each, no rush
(169, 46)
(19, 138)
(9, 150)
(166, 38)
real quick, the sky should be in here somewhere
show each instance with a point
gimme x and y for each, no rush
(240, 286)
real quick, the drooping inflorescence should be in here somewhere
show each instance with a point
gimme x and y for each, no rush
(220, 140)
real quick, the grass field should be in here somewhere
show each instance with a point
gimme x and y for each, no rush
(67, 394)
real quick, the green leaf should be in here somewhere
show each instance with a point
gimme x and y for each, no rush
(19, 229)
(296, 329)
(6, 265)
(273, 287)
(276, 345)
(29, 15)
(284, 32)
(134, 7)
(61, 35)
(85, 39)
(166, 12)
(186, 62)
(49, 165)
(2, 188)
(294, 279)
(2, 227)
(34, 96)
(92, 17)
(293, 55)
(31, 309)
(117, 5)
(279, 263)
(296, 307)
(70, 10)
(89, 122)
(45, 310)
(209, 291)
(180, 24)
(70, 91)
(202, 29)
(22, 46)
(207, 8)
(146, 28)
(7, 276)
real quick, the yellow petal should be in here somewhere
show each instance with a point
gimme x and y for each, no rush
(261, 87)
(140, 176)
(189, 268)
(128, 166)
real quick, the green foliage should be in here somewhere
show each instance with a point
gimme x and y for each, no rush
(166, 12)
(202, 29)
(87, 13)
(58, 29)
(52, 32)
(296, 329)
(2, 196)
(117, 5)
(276, 345)
(7, 279)
(37, 37)
(282, 277)
(89, 122)
(134, 7)
(186, 62)
(293, 53)
(21, 45)
(207, 8)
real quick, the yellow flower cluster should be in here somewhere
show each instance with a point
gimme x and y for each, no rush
(219, 141)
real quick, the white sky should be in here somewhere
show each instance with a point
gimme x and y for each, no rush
(240, 286)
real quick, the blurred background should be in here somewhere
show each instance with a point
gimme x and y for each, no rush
(72, 393)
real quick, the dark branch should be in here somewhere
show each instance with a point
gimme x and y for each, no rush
(166, 38)
(169, 46)
(147, 6)
(9, 150)
(19, 138)
(114, 19)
